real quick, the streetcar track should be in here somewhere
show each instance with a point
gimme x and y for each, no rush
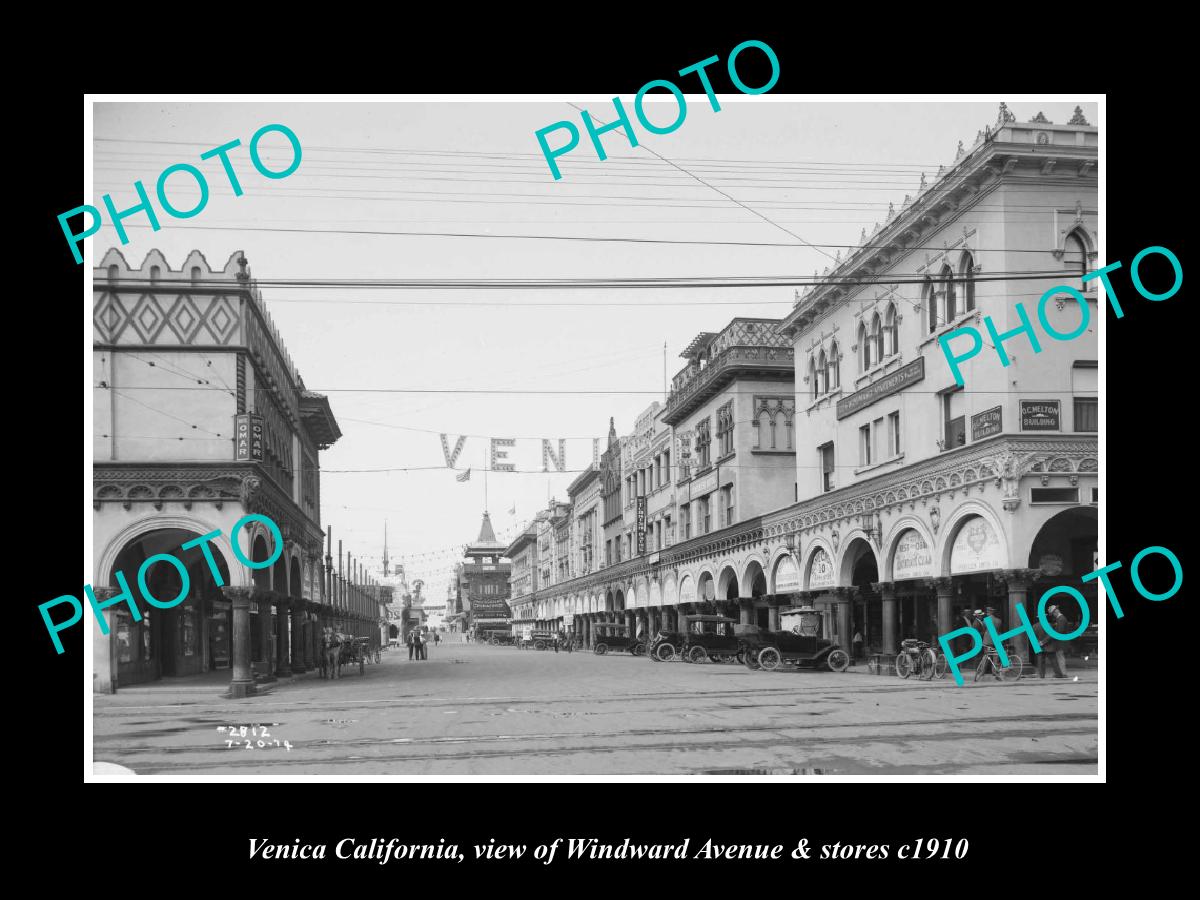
(218, 709)
(451, 756)
(326, 743)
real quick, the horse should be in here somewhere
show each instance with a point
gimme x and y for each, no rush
(331, 653)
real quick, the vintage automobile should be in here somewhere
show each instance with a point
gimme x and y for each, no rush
(711, 638)
(801, 647)
(613, 637)
(665, 645)
(543, 640)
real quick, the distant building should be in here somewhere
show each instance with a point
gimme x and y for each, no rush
(201, 417)
(483, 582)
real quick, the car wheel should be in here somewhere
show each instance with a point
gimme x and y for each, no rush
(541, 645)
(697, 655)
(770, 658)
(665, 652)
(638, 649)
(601, 649)
(839, 660)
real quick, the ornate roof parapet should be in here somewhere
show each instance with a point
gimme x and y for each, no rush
(904, 229)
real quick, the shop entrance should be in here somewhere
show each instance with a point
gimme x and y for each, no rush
(183, 640)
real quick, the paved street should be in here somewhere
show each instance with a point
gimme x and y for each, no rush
(477, 710)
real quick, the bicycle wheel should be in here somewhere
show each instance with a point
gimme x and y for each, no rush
(927, 665)
(903, 665)
(940, 666)
(1012, 672)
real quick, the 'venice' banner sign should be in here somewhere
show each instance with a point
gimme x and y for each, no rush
(500, 461)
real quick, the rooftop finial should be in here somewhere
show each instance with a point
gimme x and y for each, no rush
(1041, 119)
(922, 187)
(1077, 118)
(1006, 115)
(958, 153)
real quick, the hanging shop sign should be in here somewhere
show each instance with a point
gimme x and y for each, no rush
(913, 557)
(641, 525)
(787, 576)
(249, 430)
(820, 570)
(976, 548)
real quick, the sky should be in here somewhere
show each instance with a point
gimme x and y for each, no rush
(820, 172)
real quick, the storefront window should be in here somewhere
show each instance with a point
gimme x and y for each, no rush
(124, 640)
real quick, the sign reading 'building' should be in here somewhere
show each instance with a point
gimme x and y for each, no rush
(884, 387)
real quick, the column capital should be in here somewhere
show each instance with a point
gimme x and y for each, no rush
(105, 592)
(886, 589)
(238, 595)
(843, 594)
(1018, 579)
(944, 585)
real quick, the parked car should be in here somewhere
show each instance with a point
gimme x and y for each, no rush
(612, 637)
(711, 637)
(543, 640)
(801, 647)
(665, 645)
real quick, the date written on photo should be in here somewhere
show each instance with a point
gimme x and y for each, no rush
(253, 736)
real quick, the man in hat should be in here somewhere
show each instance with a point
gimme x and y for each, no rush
(1051, 647)
(986, 662)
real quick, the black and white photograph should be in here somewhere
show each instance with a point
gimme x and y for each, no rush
(702, 434)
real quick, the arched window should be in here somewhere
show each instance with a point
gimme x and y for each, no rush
(764, 425)
(948, 288)
(1076, 257)
(155, 272)
(823, 372)
(890, 344)
(195, 274)
(877, 338)
(929, 298)
(812, 378)
(112, 272)
(864, 344)
(834, 377)
(966, 272)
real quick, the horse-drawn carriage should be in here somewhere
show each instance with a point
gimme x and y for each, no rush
(339, 649)
(801, 647)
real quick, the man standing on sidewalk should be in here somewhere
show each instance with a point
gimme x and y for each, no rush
(411, 644)
(1050, 647)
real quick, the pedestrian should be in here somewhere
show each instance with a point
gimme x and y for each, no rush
(437, 638)
(858, 644)
(422, 646)
(411, 645)
(986, 663)
(1052, 647)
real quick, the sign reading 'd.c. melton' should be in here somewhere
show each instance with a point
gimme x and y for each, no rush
(1039, 415)
(249, 430)
(884, 387)
(986, 423)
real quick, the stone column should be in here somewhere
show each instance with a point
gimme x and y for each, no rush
(282, 664)
(772, 615)
(310, 652)
(1018, 582)
(843, 596)
(891, 615)
(266, 641)
(945, 603)
(744, 611)
(242, 684)
(298, 636)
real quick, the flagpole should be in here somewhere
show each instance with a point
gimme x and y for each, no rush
(485, 470)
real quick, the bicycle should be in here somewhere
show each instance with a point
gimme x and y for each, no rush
(915, 656)
(1011, 672)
